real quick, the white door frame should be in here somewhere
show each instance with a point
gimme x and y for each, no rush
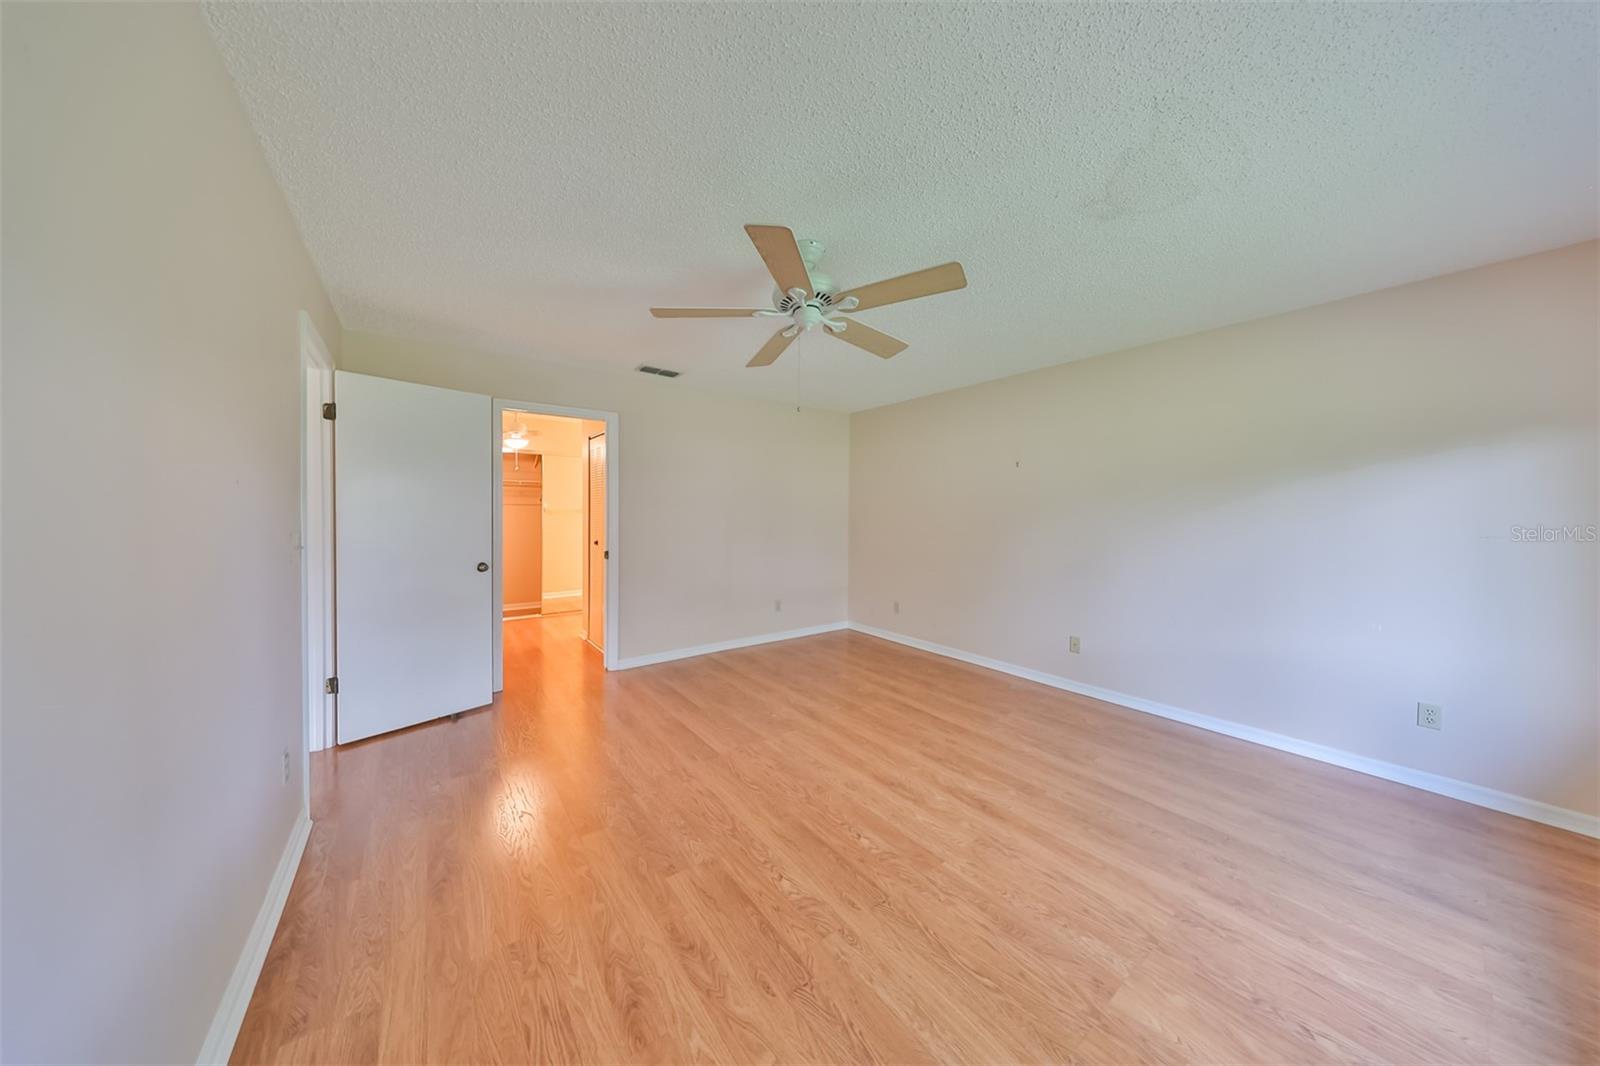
(316, 544)
(613, 524)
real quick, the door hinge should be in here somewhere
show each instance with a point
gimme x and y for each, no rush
(331, 686)
(330, 411)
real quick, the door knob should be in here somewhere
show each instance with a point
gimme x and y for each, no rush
(482, 567)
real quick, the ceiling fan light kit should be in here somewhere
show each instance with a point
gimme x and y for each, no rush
(808, 298)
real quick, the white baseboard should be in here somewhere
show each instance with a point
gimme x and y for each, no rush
(725, 645)
(1505, 802)
(562, 602)
(236, 997)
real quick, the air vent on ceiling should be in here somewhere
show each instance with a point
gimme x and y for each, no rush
(659, 372)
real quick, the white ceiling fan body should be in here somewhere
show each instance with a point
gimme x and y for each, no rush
(809, 312)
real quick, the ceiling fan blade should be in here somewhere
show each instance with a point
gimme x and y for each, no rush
(772, 349)
(946, 278)
(703, 312)
(782, 256)
(864, 336)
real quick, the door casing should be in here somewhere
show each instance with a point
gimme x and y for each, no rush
(316, 543)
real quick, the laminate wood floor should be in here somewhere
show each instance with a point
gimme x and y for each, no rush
(837, 849)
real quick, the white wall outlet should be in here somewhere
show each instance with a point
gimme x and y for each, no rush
(1430, 716)
(777, 605)
(896, 606)
(1073, 645)
(286, 766)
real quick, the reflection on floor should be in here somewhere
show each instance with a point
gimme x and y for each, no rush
(838, 849)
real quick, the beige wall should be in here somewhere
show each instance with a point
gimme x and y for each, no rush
(153, 277)
(1302, 524)
(728, 504)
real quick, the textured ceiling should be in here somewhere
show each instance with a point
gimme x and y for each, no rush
(533, 177)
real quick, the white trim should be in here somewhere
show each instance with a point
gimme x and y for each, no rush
(225, 1023)
(1505, 802)
(613, 524)
(316, 541)
(726, 645)
(564, 603)
(316, 545)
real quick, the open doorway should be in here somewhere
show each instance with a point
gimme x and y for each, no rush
(552, 530)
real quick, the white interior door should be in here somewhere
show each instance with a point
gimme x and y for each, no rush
(594, 596)
(414, 524)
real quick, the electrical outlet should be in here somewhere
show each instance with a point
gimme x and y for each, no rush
(777, 605)
(1073, 645)
(286, 766)
(1430, 716)
(896, 606)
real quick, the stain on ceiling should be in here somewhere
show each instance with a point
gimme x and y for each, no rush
(531, 178)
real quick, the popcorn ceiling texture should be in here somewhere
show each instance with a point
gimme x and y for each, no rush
(531, 178)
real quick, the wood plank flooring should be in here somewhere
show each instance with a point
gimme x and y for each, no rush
(841, 850)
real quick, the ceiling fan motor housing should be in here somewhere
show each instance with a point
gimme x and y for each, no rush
(821, 284)
(810, 312)
(818, 309)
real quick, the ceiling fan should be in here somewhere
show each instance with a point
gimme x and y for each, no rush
(809, 298)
